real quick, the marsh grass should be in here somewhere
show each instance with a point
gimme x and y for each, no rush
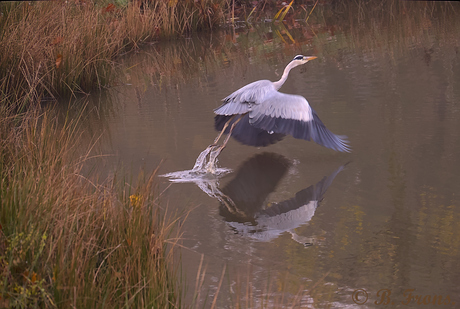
(66, 241)
(240, 289)
(57, 49)
(61, 48)
(73, 241)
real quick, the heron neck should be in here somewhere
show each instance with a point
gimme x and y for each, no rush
(283, 78)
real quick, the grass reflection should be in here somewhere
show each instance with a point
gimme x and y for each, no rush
(404, 26)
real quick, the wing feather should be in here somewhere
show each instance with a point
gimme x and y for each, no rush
(291, 114)
(246, 133)
(271, 112)
(243, 100)
(282, 105)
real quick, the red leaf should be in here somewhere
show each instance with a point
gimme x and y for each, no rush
(57, 40)
(34, 277)
(58, 60)
(109, 8)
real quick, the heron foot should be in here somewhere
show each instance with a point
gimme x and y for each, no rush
(211, 165)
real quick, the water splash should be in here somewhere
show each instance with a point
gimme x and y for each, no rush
(204, 173)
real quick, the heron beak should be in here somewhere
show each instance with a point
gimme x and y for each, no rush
(308, 58)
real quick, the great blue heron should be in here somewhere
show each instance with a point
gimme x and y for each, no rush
(259, 115)
(245, 200)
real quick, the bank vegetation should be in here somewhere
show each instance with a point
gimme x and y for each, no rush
(69, 239)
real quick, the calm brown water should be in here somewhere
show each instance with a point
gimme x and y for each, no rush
(389, 220)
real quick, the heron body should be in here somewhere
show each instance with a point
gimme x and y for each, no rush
(259, 115)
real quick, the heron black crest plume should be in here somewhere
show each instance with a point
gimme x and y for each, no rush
(259, 115)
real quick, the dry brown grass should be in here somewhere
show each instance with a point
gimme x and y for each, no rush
(65, 240)
(59, 48)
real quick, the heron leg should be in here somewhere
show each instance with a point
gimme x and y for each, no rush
(210, 166)
(223, 130)
(230, 133)
(215, 149)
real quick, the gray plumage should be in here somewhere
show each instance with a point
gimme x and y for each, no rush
(246, 206)
(272, 112)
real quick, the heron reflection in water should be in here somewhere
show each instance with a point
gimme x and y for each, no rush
(259, 115)
(244, 205)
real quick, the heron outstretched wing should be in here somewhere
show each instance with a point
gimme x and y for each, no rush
(314, 193)
(291, 114)
(244, 99)
(246, 133)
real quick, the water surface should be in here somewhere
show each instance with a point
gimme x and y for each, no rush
(389, 219)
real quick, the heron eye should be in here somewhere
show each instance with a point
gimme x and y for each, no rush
(299, 57)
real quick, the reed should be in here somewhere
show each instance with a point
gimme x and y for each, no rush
(66, 241)
(57, 48)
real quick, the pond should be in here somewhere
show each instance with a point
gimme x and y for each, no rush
(380, 225)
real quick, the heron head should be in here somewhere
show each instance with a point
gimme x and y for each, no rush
(301, 59)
